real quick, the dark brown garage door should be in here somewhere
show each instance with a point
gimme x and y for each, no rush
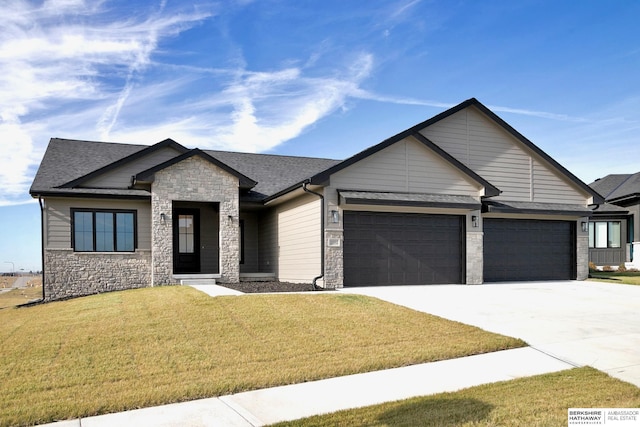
(529, 250)
(402, 249)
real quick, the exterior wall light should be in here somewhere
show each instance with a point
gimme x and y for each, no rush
(474, 221)
(335, 217)
(584, 225)
(163, 218)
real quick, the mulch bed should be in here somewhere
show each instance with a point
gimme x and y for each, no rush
(260, 287)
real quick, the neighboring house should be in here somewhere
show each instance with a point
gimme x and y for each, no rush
(460, 198)
(614, 229)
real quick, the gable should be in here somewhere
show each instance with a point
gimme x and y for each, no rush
(148, 174)
(194, 178)
(495, 154)
(405, 166)
(120, 177)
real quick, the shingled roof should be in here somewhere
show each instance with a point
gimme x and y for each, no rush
(66, 161)
(618, 187)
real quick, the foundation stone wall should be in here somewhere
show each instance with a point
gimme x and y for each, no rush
(74, 274)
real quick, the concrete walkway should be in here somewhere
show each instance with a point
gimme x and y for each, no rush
(263, 407)
(568, 324)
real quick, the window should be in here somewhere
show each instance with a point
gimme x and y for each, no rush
(605, 234)
(186, 234)
(103, 230)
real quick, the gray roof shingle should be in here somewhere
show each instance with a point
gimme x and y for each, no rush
(66, 160)
(536, 208)
(274, 173)
(618, 186)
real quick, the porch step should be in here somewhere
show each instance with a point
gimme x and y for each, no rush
(196, 279)
(257, 277)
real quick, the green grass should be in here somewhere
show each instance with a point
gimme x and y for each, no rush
(124, 350)
(542, 400)
(628, 278)
(16, 297)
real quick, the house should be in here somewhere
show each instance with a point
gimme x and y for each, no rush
(462, 198)
(614, 231)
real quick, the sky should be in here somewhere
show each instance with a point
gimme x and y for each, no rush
(312, 78)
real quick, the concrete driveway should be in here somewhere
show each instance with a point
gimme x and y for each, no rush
(583, 323)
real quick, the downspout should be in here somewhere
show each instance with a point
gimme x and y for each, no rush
(322, 219)
(40, 201)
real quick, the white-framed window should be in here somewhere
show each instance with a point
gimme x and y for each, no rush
(605, 234)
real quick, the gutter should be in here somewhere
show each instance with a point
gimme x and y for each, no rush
(322, 220)
(41, 203)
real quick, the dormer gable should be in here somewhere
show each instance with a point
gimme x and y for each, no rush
(118, 174)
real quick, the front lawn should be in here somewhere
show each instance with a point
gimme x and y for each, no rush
(628, 277)
(542, 400)
(18, 296)
(145, 347)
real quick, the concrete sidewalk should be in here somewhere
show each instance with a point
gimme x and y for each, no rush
(267, 406)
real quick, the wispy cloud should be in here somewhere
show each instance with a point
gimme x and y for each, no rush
(363, 94)
(534, 113)
(252, 111)
(80, 69)
(76, 69)
(62, 52)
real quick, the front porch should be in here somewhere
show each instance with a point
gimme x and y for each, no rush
(210, 279)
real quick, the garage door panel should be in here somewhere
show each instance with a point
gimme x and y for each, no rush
(406, 249)
(528, 250)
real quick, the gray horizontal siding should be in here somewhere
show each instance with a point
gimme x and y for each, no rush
(406, 166)
(58, 218)
(121, 177)
(501, 159)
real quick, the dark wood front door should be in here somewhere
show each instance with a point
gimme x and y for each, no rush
(186, 240)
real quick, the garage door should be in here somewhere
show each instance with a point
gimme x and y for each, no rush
(402, 249)
(529, 250)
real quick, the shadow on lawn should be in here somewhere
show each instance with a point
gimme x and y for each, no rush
(436, 412)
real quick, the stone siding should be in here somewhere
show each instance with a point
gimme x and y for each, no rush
(195, 180)
(334, 259)
(74, 274)
(582, 257)
(475, 257)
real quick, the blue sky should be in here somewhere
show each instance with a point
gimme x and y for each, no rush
(314, 78)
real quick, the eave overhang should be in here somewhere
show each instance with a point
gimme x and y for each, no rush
(534, 208)
(408, 199)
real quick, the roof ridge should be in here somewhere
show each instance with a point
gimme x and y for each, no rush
(100, 142)
(621, 184)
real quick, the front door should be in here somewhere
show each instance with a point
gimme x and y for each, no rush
(186, 241)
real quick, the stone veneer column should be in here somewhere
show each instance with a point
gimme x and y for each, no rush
(475, 257)
(334, 261)
(197, 180)
(474, 249)
(582, 251)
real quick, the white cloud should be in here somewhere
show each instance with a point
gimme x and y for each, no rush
(61, 52)
(16, 152)
(253, 111)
